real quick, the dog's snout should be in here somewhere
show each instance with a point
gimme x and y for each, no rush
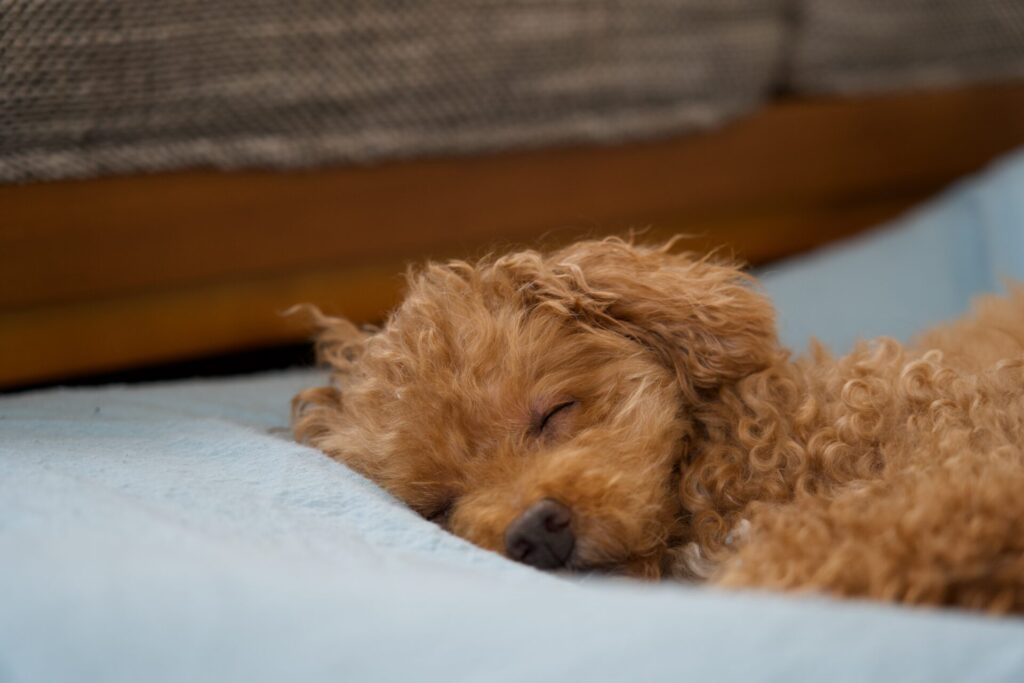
(542, 536)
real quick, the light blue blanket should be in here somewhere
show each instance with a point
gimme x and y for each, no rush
(174, 533)
(920, 270)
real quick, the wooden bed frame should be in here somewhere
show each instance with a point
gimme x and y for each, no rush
(114, 273)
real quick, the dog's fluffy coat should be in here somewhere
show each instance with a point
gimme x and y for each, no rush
(688, 443)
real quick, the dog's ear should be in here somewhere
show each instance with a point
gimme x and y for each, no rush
(339, 344)
(704, 319)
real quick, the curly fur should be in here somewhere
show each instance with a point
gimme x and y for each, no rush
(696, 446)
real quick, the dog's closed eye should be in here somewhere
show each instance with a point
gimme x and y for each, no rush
(552, 421)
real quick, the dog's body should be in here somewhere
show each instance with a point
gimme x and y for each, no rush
(620, 408)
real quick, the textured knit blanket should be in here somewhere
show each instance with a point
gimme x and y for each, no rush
(91, 87)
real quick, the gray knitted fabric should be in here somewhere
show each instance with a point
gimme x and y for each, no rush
(852, 46)
(91, 87)
(111, 86)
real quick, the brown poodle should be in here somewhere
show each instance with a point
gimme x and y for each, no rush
(620, 408)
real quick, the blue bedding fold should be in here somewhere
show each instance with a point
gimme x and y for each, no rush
(902, 277)
(174, 532)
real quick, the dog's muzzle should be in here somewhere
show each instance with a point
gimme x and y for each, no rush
(542, 536)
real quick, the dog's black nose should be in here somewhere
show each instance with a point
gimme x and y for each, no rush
(541, 536)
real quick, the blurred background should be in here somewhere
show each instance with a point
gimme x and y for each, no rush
(176, 173)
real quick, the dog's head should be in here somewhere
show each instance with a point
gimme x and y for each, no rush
(541, 405)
